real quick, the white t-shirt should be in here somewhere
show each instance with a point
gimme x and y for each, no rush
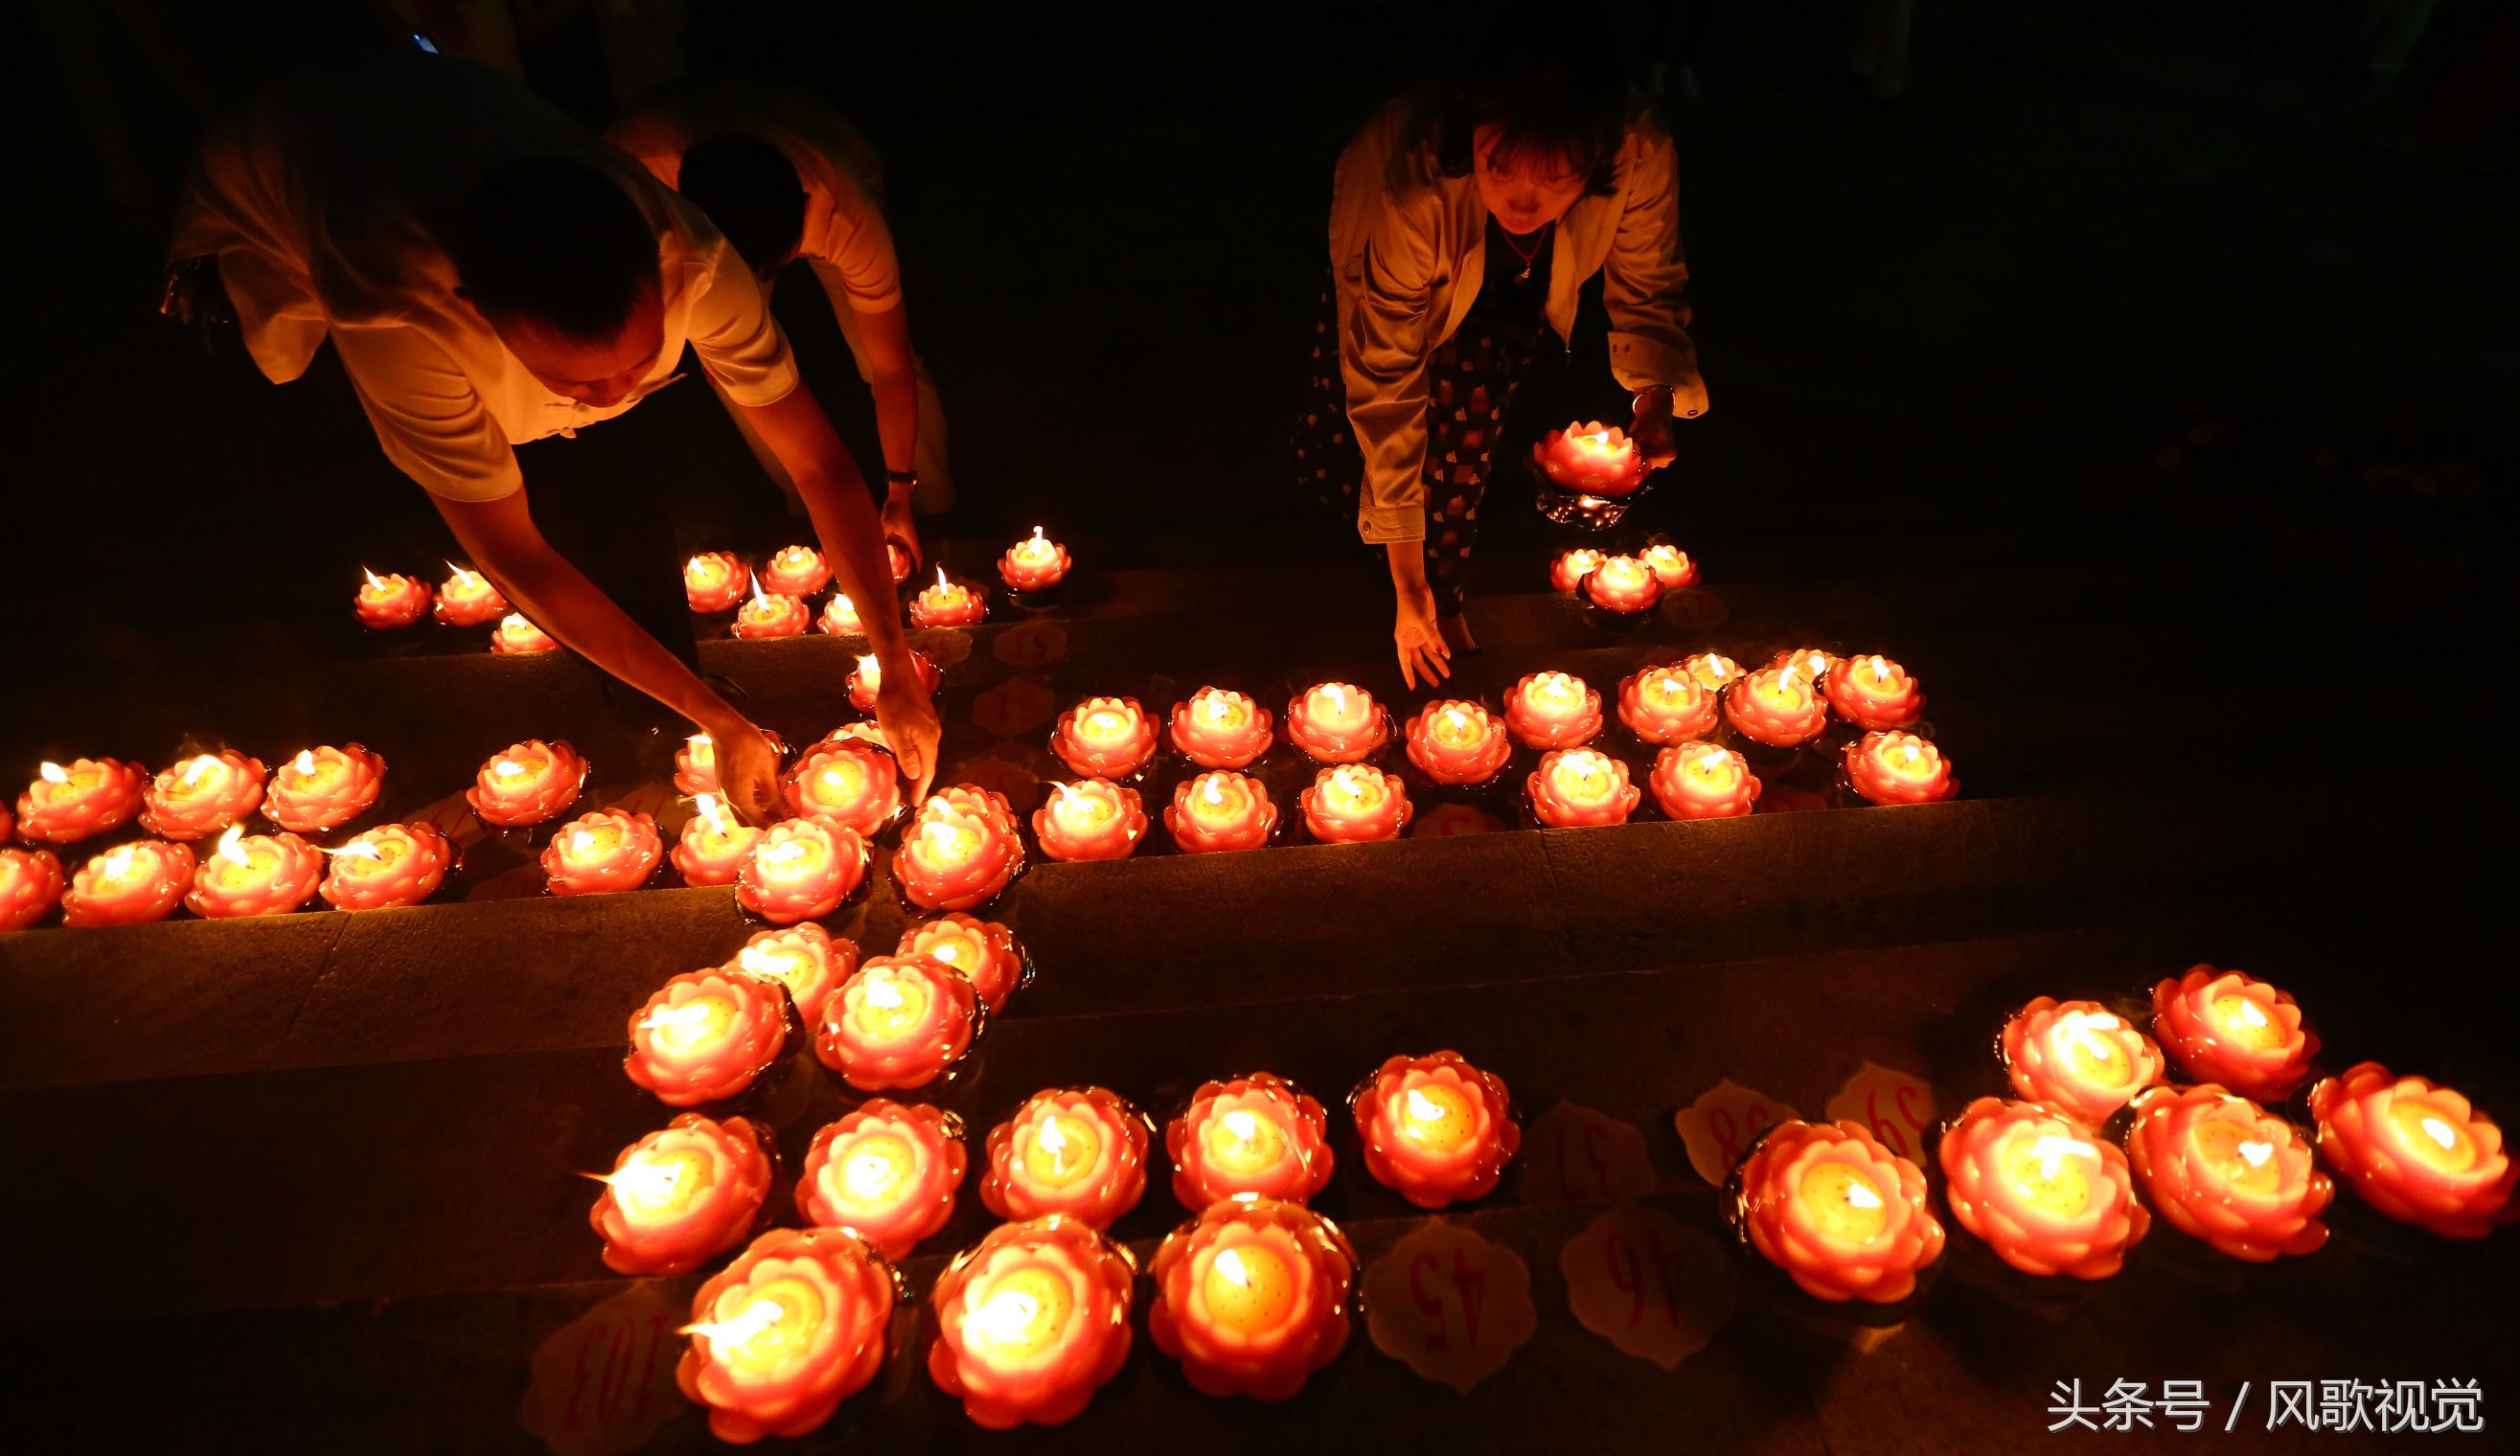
(324, 202)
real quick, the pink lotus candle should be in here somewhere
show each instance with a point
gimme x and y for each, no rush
(706, 1037)
(796, 571)
(886, 1172)
(714, 581)
(2417, 1152)
(1080, 1151)
(1104, 738)
(2079, 1057)
(202, 795)
(1670, 565)
(1221, 730)
(31, 885)
(845, 783)
(1703, 781)
(786, 1333)
(713, 845)
(385, 602)
(800, 869)
(695, 763)
(602, 853)
(808, 960)
(1553, 710)
(1896, 768)
(1436, 1129)
(2226, 1027)
(1624, 586)
(1845, 1218)
(1253, 1298)
(1355, 803)
(1713, 670)
(1567, 572)
(1252, 1136)
(682, 1195)
(1456, 741)
(1665, 705)
(1578, 787)
(1874, 693)
(388, 865)
(1591, 458)
(268, 874)
(518, 638)
(768, 616)
(2040, 1190)
(1337, 723)
(1776, 706)
(65, 804)
(468, 600)
(866, 679)
(2221, 1170)
(129, 884)
(1220, 811)
(841, 617)
(1030, 1322)
(1035, 565)
(947, 604)
(954, 860)
(324, 788)
(983, 951)
(1091, 819)
(899, 1023)
(526, 784)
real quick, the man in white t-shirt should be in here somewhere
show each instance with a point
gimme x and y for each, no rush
(490, 274)
(788, 178)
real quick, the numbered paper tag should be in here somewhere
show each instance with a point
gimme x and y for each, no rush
(1448, 821)
(1648, 1284)
(1723, 1122)
(452, 818)
(1449, 1305)
(1574, 1155)
(604, 1382)
(1030, 645)
(1015, 707)
(1889, 1104)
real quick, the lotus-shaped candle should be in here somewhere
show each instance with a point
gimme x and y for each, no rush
(706, 1037)
(324, 788)
(1253, 1298)
(2043, 1194)
(2221, 1170)
(682, 1195)
(786, 1333)
(1436, 1129)
(1844, 1217)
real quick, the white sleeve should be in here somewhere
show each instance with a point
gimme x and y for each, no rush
(427, 415)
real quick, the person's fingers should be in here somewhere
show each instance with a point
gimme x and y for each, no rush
(1408, 669)
(1438, 666)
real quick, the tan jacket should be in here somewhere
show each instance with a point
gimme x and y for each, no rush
(846, 240)
(324, 202)
(1408, 250)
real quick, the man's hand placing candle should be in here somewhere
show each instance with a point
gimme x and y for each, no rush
(1651, 428)
(747, 772)
(1414, 633)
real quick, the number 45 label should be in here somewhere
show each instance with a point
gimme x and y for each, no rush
(1451, 1305)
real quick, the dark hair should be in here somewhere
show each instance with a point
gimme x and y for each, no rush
(1544, 108)
(559, 243)
(750, 191)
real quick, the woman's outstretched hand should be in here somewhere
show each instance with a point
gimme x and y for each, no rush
(1425, 655)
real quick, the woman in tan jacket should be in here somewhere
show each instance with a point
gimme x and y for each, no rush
(1463, 221)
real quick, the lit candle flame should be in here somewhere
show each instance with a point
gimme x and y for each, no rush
(841, 606)
(51, 772)
(688, 1014)
(709, 810)
(1213, 791)
(507, 768)
(1243, 1125)
(640, 1181)
(1214, 708)
(1454, 720)
(305, 760)
(1337, 695)
(1347, 781)
(867, 1173)
(1422, 1108)
(761, 1315)
(1862, 1196)
(870, 672)
(1880, 670)
(2257, 1153)
(1708, 761)
(460, 578)
(1598, 439)
(941, 837)
(197, 769)
(580, 842)
(1230, 1264)
(942, 584)
(881, 990)
(228, 850)
(374, 584)
(1913, 753)
(784, 852)
(1003, 1317)
(118, 863)
(1050, 1139)
(2250, 1013)
(2440, 1132)
(356, 849)
(758, 599)
(2052, 1152)
(1037, 536)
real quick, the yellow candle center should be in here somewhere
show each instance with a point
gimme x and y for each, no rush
(1245, 1142)
(2432, 1136)
(2050, 1174)
(657, 1185)
(779, 1324)
(1248, 1288)
(1843, 1202)
(873, 1174)
(892, 1006)
(693, 1026)
(1219, 800)
(2087, 1047)
(2245, 1024)
(948, 844)
(2234, 1150)
(1435, 1116)
(1025, 1313)
(1103, 726)
(1583, 777)
(1062, 1151)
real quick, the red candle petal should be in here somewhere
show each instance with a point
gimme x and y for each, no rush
(1355, 803)
(1216, 728)
(1894, 768)
(1093, 818)
(1666, 705)
(31, 885)
(279, 876)
(936, 871)
(948, 605)
(845, 782)
(1220, 811)
(768, 616)
(466, 598)
(1874, 693)
(518, 638)
(714, 581)
(796, 571)
(1562, 798)
(1455, 741)
(386, 603)
(800, 869)
(808, 960)
(1777, 706)
(1337, 723)
(1027, 567)
(1702, 781)
(1553, 710)
(867, 679)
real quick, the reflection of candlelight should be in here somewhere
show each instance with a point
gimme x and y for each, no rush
(468, 600)
(1253, 1298)
(2221, 1170)
(2418, 1152)
(1553, 710)
(1435, 1129)
(1842, 1214)
(2043, 1194)
(713, 581)
(1455, 741)
(1034, 564)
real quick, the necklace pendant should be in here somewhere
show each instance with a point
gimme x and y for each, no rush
(1524, 276)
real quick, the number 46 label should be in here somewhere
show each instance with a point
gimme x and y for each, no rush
(1451, 1305)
